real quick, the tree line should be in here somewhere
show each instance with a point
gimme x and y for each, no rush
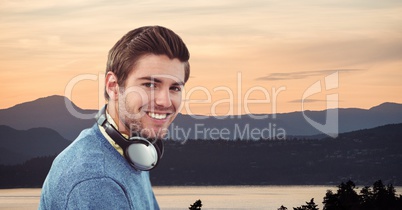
(31, 173)
(375, 197)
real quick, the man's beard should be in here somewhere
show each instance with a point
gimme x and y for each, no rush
(136, 128)
(132, 121)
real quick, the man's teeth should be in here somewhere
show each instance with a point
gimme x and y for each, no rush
(157, 116)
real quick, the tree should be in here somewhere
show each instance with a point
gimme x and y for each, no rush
(366, 197)
(379, 197)
(345, 198)
(309, 206)
(330, 201)
(383, 196)
(196, 206)
(283, 208)
(347, 195)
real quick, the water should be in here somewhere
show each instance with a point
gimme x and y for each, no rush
(240, 197)
(229, 197)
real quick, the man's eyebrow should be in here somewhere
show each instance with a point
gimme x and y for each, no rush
(154, 79)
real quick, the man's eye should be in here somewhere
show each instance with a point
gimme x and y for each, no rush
(149, 85)
(176, 89)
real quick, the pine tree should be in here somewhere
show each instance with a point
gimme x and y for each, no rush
(345, 198)
(196, 206)
(282, 208)
(330, 201)
(309, 206)
(366, 198)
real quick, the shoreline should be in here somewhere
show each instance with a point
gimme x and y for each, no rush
(212, 197)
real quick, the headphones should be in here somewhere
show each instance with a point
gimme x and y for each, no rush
(138, 151)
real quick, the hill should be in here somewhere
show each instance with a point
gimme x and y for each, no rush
(51, 112)
(17, 146)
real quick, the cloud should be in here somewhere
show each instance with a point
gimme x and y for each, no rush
(303, 74)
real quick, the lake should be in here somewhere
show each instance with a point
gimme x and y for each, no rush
(212, 197)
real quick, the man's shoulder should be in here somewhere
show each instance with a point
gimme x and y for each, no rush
(87, 156)
(82, 158)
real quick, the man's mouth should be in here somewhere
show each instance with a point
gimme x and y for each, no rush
(157, 116)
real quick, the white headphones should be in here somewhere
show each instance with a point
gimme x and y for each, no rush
(138, 151)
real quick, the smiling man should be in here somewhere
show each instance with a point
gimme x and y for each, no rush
(107, 166)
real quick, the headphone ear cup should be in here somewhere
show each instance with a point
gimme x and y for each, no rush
(142, 154)
(138, 151)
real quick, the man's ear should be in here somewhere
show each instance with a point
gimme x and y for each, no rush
(111, 86)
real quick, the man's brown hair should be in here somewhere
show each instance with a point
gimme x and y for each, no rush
(155, 40)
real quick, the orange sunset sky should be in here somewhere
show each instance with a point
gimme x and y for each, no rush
(256, 56)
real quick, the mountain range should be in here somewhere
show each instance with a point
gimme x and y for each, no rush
(368, 147)
(51, 112)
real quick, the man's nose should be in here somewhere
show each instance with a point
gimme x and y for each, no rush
(162, 98)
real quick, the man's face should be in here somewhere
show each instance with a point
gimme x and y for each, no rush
(150, 100)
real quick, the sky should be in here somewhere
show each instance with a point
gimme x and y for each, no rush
(256, 56)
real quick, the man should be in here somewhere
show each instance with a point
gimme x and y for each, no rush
(105, 167)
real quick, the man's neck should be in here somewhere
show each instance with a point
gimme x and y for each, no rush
(113, 114)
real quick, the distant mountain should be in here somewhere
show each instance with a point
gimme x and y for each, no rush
(48, 112)
(51, 112)
(17, 146)
(293, 124)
